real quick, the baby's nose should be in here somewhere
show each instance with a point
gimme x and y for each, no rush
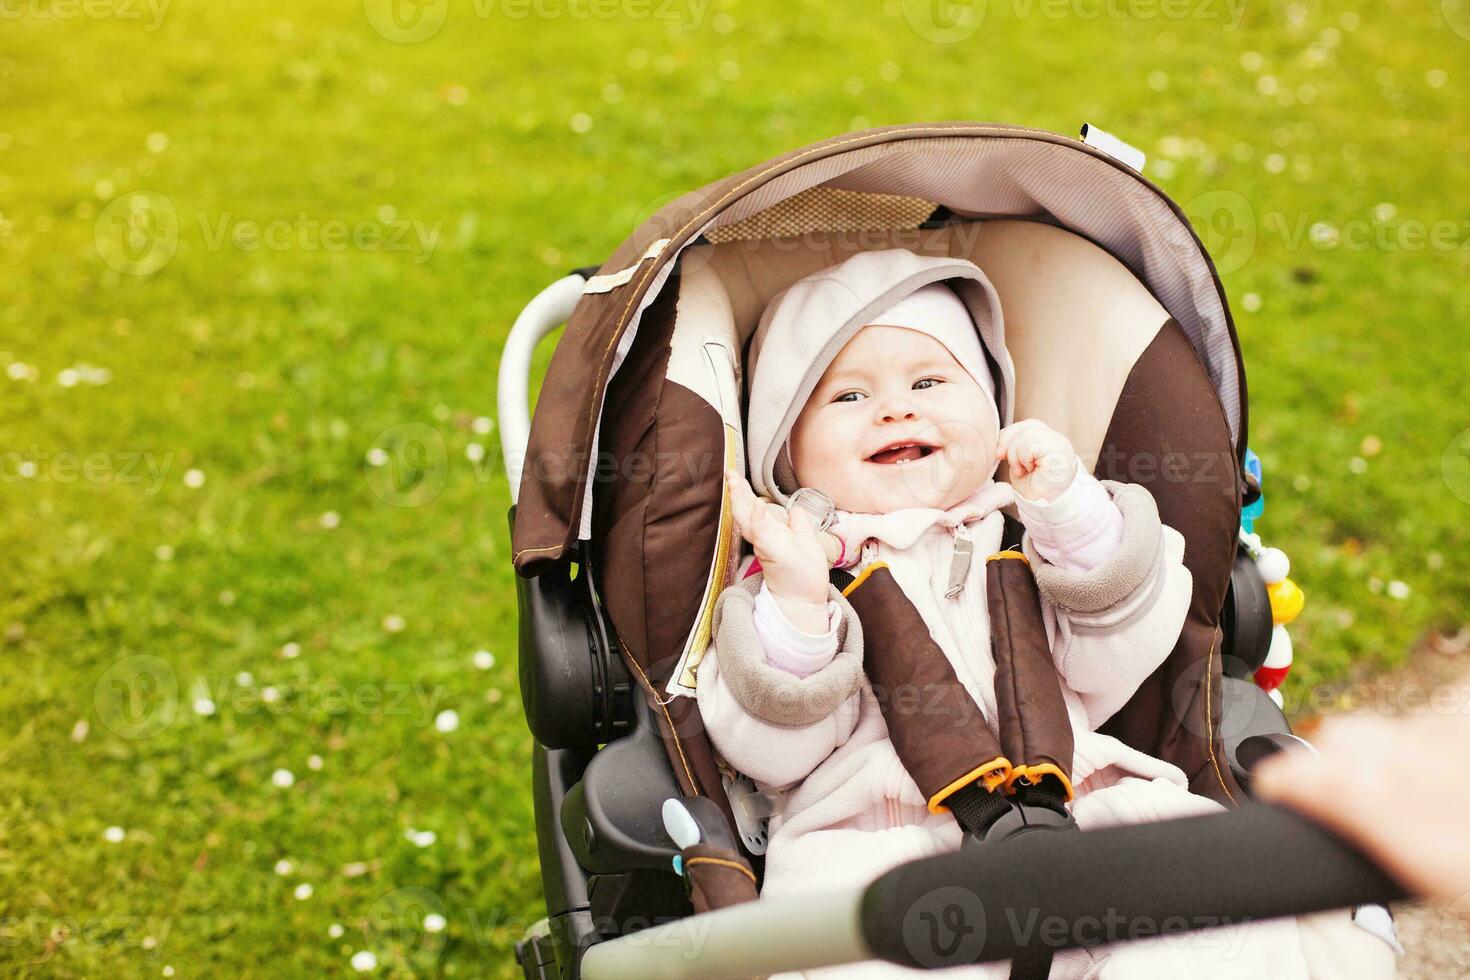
(897, 411)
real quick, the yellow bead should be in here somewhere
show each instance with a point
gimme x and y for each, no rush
(1287, 600)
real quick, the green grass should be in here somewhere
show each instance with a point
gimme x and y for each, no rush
(274, 370)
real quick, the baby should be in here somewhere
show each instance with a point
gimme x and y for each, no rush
(884, 383)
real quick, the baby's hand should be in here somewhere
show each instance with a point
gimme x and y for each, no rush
(792, 554)
(1043, 462)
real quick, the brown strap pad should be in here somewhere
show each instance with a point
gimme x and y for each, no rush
(937, 729)
(1035, 730)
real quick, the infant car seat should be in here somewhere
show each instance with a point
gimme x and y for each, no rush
(1122, 340)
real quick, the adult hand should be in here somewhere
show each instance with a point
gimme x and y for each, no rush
(1397, 787)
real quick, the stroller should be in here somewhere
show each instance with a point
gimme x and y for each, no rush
(1122, 339)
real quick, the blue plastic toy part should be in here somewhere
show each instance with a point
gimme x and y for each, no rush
(1252, 463)
(1253, 510)
(679, 865)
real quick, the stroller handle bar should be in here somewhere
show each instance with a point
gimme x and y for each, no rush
(990, 902)
(548, 310)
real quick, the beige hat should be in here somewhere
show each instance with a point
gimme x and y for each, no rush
(935, 310)
(808, 323)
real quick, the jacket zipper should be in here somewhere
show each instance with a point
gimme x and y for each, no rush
(967, 597)
(959, 561)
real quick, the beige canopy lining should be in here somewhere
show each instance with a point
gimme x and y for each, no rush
(1021, 177)
(826, 209)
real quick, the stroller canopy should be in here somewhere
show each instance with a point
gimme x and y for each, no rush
(1098, 270)
(972, 169)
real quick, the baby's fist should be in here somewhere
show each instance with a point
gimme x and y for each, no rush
(1042, 460)
(792, 554)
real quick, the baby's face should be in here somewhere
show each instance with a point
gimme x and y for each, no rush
(895, 422)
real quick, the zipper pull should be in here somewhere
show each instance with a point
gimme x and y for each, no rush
(959, 564)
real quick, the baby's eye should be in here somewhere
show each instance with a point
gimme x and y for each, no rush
(848, 396)
(926, 383)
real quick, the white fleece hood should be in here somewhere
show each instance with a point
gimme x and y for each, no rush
(808, 323)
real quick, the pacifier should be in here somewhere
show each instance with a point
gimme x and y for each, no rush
(818, 506)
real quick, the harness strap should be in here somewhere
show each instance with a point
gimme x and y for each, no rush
(1035, 728)
(977, 808)
(937, 729)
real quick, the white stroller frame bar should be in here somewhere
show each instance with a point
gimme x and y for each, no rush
(754, 939)
(550, 308)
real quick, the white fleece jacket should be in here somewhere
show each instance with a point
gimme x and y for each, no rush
(850, 810)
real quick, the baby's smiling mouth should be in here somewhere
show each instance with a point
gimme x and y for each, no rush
(901, 452)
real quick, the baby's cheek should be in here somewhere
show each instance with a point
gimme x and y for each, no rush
(973, 446)
(823, 467)
(988, 446)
